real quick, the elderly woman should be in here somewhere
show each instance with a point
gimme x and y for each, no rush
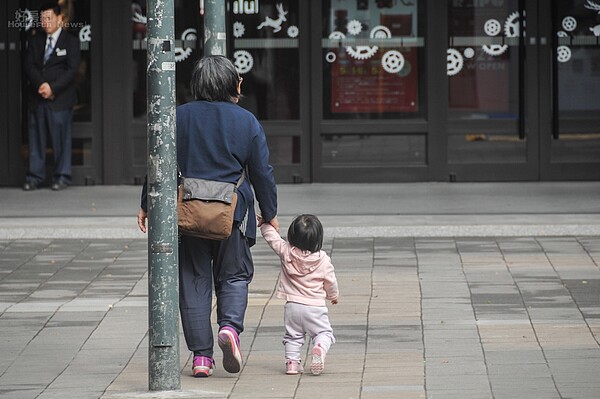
(218, 140)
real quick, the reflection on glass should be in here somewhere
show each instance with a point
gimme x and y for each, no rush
(187, 21)
(577, 52)
(77, 22)
(374, 149)
(82, 152)
(485, 148)
(483, 60)
(284, 149)
(485, 88)
(265, 52)
(371, 59)
(138, 18)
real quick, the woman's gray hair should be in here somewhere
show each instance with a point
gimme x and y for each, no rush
(214, 78)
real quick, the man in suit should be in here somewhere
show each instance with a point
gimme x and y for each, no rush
(51, 63)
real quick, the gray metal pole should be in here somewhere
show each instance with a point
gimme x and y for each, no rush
(163, 289)
(215, 36)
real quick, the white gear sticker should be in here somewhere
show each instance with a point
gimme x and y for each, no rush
(562, 33)
(182, 53)
(85, 34)
(492, 27)
(512, 25)
(563, 54)
(569, 24)
(336, 35)
(330, 57)
(380, 32)
(238, 29)
(362, 52)
(293, 31)
(392, 61)
(455, 62)
(354, 27)
(243, 61)
(495, 49)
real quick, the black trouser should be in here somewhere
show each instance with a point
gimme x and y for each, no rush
(229, 264)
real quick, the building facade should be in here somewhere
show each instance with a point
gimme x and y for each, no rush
(347, 90)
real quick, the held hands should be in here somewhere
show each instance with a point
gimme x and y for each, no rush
(273, 222)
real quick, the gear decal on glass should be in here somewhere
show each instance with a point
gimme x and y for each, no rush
(380, 32)
(455, 62)
(330, 57)
(238, 29)
(182, 53)
(243, 61)
(492, 27)
(85, 34)
(336, 35)
(512, 25)
(569, 24)
(354, 27)
(469, 52)
(362, 52)
(563, 54)
(495, 49)
(293, 31)
(392, 61)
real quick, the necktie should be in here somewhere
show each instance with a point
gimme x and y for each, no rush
(49, 49)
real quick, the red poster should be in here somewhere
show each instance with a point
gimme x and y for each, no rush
(365, 86)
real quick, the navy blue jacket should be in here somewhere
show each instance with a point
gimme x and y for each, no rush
(216, 141)
(59, 71)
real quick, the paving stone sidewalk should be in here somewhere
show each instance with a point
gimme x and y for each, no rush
(448, 318)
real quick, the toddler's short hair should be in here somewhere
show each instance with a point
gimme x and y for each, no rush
(306, 233)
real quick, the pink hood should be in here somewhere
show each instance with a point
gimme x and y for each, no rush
(306, 277)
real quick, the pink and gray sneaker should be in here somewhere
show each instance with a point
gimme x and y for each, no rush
(229, 342)
(203, 366)
(317, 365)
(293, 367)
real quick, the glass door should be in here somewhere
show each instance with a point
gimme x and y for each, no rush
(571, 134)
(267, 39)
(4, 137)
(370, 106)
(523, 90)
(491, 133)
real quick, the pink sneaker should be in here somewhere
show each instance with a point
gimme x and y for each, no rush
(293, 367)
(317, 365)
(229, 342)
(203, 366)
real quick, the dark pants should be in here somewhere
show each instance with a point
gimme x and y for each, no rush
(229, 265)
(45, 122)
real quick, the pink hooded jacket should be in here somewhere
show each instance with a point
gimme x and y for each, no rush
(306, 277)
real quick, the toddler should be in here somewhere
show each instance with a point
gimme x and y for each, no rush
(307, 280)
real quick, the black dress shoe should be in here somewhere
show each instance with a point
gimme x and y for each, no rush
(30, 186)
(59, 185)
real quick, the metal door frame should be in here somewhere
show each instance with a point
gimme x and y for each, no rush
(550, 170)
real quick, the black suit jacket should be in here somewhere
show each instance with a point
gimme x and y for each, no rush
(59, 71)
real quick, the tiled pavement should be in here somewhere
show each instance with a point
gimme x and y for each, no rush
(504, 317)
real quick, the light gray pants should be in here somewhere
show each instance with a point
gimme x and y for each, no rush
(301, 320)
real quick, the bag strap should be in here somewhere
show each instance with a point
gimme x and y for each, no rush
(238, 184)
(241, 179)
